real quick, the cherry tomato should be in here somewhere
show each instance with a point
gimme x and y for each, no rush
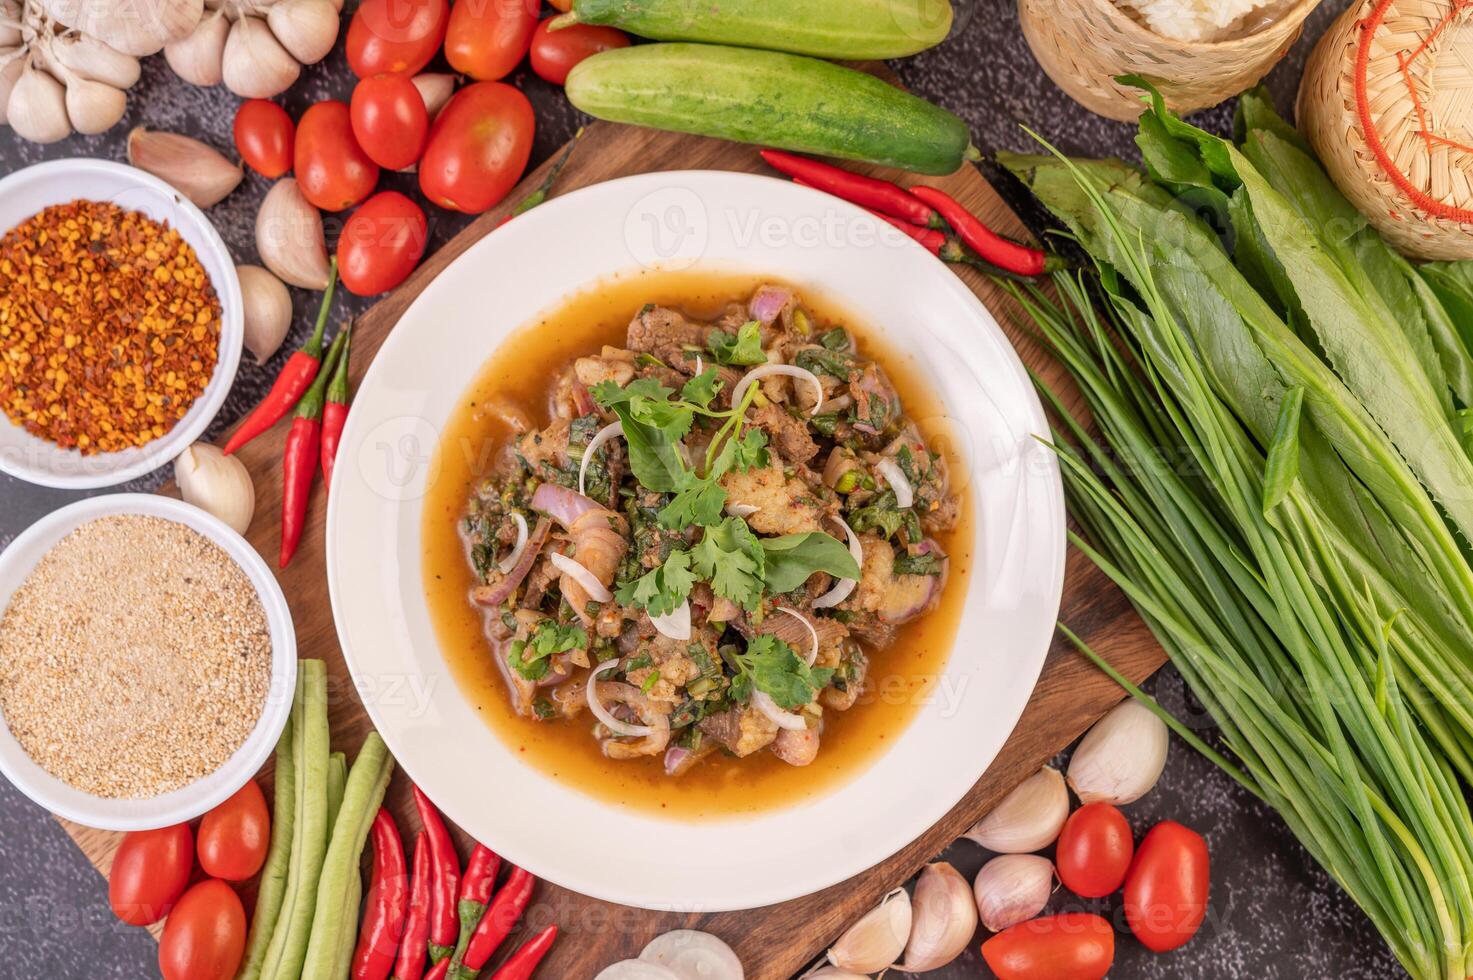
(234, 836)
(263, 136)
(479, 144)
(332, 169)
(487, 38)
(554, 53)
(150, 872)
(389, 120)
(381, 243)
(396, 35)
(1072, 946)
(1166, 889)
(205, 936)
(1094, 850)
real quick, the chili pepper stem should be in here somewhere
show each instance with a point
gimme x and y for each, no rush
(313, 345)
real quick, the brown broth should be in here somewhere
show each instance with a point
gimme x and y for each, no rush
(520, 374)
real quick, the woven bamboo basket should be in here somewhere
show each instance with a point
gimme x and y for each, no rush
(1387, 103)
(1084, 44)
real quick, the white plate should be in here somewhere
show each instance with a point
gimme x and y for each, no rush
(184, 804)
(28, 191)
(730, 223)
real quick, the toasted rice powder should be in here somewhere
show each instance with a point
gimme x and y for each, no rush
(135, 658)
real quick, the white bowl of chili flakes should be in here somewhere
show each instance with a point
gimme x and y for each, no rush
(115, 353)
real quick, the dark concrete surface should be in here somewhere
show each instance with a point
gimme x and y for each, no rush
(1275, 914)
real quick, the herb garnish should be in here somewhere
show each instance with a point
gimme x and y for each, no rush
(744, 348)
(529, 657)
(769, 665)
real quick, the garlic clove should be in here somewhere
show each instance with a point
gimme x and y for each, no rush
(289, 236)
(10, 25)
(435, 88)
(1029, 818)
(255, 65)
(199, 57)
(94, 107)
(876, 941)
(84, 55)
(1012, 888)
(36, 109)
(945, 917)
(201, 173)
(306, 28)
(9, 75)
(268, 310)
(833, 973)
(139, 27)
(1120, 759)
(217, 484)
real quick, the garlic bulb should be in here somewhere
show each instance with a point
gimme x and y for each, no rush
(198, 56)
(217, 484)
(1012, 888)
(435, 88)
(1121, 757)
(306, 28)
(201, 173)
(1028, 819)
(876, 941)
(136, 27)
(268, 310)
(945, 918)
(289, 236)
(255, 65)
(88, 57)
(36, 108)
(256, 47)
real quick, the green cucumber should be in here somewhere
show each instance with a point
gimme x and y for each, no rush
(842, 29)
(773, 99)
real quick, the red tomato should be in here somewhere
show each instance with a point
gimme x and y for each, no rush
(263, 136)
(389, 120)
(486, 38)
(1166, 890)
(554, 53)
(1094, 850)
(1072, 946)
(234, 836)
(381, 243)
(150, 872)
(205, 936)
(396, 35)
(332, 169)
(479, 144)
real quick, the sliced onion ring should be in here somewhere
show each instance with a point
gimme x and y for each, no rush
(604, 435)
(905, 494)
(604, 714)
(510, 561)
(676, 624)
(813, 652)
(844, 586)
(693, 955)
(790, 720)
(787, 370)
(595, 589)
(742, 510)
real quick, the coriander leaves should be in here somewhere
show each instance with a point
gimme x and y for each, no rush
(744, 348)
(771, 666)
(529, 657)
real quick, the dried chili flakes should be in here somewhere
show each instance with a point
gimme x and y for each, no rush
(109, 325)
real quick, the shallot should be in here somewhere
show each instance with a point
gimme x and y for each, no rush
(844, 586)
(510, 561)
(200, 172)
(604, 714)
(787, 370)
(596, 590)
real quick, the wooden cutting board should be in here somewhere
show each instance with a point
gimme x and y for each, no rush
(775, 942)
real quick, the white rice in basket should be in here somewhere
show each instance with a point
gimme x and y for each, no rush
(1204, 20)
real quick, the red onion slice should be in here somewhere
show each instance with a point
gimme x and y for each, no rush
(676, 624)
(905, 494)
(844, 586)
(604, 435)
(595, 589)
(813, 651)
(510, 561)
(787, 370)
(767, 303)
(790, 720)
(604, 714)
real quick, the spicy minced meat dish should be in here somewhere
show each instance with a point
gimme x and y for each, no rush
(721, 525)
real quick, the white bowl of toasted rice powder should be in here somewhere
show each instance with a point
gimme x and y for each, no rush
(147, 662)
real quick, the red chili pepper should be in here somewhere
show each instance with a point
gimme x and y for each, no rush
(868, 192)
(475, 894)
(292, 383)
(300, 458)
(932, 239)
(444, 879)
(411, 962)
(519, 965)
(388, 901)
(335, 411)
(439, 971)
(988, 244)
(498, 921)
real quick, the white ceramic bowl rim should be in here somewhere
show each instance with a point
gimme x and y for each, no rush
(27, 192)
(731, 223)
(188, 802)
